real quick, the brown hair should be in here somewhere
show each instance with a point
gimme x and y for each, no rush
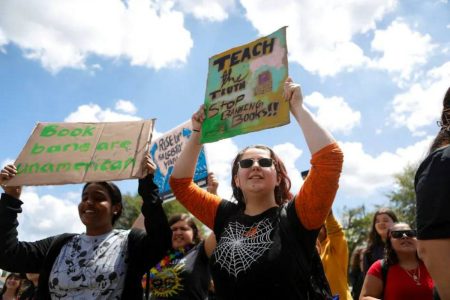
(191, 223)
(443, 136)
(282, 191)
(7, 277)
(374, 238)
(355, 260)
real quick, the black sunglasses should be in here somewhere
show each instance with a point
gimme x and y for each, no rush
(262, 162)
(398, 234)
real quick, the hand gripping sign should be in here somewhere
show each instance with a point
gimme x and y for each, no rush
(165, 151)
(245, 87)
(61, 153)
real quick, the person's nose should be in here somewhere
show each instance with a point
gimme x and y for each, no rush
(255, 164)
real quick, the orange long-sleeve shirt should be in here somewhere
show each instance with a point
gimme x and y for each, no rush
(312, 203)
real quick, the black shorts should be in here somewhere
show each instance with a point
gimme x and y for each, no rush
(432, 185)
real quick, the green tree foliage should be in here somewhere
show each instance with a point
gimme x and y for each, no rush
(173, 207)
(130, 212)
(403, 197)
(132, 209)
(356, 222)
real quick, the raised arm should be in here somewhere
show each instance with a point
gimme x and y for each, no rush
(202, 204)
(16, 256)
(159, 235)
(315, 135)
(316, 196)
(334, 229)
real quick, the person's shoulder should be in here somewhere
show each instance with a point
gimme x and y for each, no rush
(375, 268)
(445, 151)
(441, 153)
(435, 161)
(228, 206)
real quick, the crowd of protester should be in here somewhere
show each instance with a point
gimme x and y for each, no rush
(265, 244)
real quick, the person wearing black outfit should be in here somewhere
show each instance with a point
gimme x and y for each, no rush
(432, 186)
(103, 262)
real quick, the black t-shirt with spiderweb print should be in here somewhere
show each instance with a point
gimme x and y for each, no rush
(253, 259)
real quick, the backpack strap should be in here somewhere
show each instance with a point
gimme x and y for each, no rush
(384, 271)
(304, 265)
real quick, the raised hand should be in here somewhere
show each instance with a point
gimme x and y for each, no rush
(149, 164)
(213, 183)
(197, 118)
(7, 173)
(293, 94)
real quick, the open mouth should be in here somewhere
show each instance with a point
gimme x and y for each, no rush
(89, 212)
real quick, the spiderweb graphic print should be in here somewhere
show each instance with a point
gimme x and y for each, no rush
(240, 246)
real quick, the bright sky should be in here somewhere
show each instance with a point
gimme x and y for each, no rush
(374, 72)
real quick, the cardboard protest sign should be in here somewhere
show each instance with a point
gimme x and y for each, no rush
(165, 152)
(60, 153)
(245, 87)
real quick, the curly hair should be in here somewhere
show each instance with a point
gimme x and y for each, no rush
(281, 192)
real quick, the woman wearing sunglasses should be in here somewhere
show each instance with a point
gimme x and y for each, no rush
(401, 274)
(432, 185)
(262, 237)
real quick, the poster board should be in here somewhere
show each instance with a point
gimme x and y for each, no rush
(165, 151)
(244, 91)
(62, 153)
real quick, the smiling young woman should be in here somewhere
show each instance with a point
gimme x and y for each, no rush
(11, 288)
(183, 273)
(260, 238)
(103, 262)
(382, 220)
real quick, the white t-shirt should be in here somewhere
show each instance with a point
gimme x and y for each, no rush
(91, 267)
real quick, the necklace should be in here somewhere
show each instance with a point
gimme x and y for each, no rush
(414, 274)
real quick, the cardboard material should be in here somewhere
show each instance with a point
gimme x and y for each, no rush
(245, 87)
(61, 153)
(165, 151)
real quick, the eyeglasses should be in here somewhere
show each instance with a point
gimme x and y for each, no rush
(262, 162)
(398, 234)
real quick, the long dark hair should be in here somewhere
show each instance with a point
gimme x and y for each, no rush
(374, 238)
(7, 277)
(191, 223)
(390, 255)
(282, 191)
(443, 136)
(113, 192)
(355, 260)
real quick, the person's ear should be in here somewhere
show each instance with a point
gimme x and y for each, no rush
(236, 181)
(117, 208)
